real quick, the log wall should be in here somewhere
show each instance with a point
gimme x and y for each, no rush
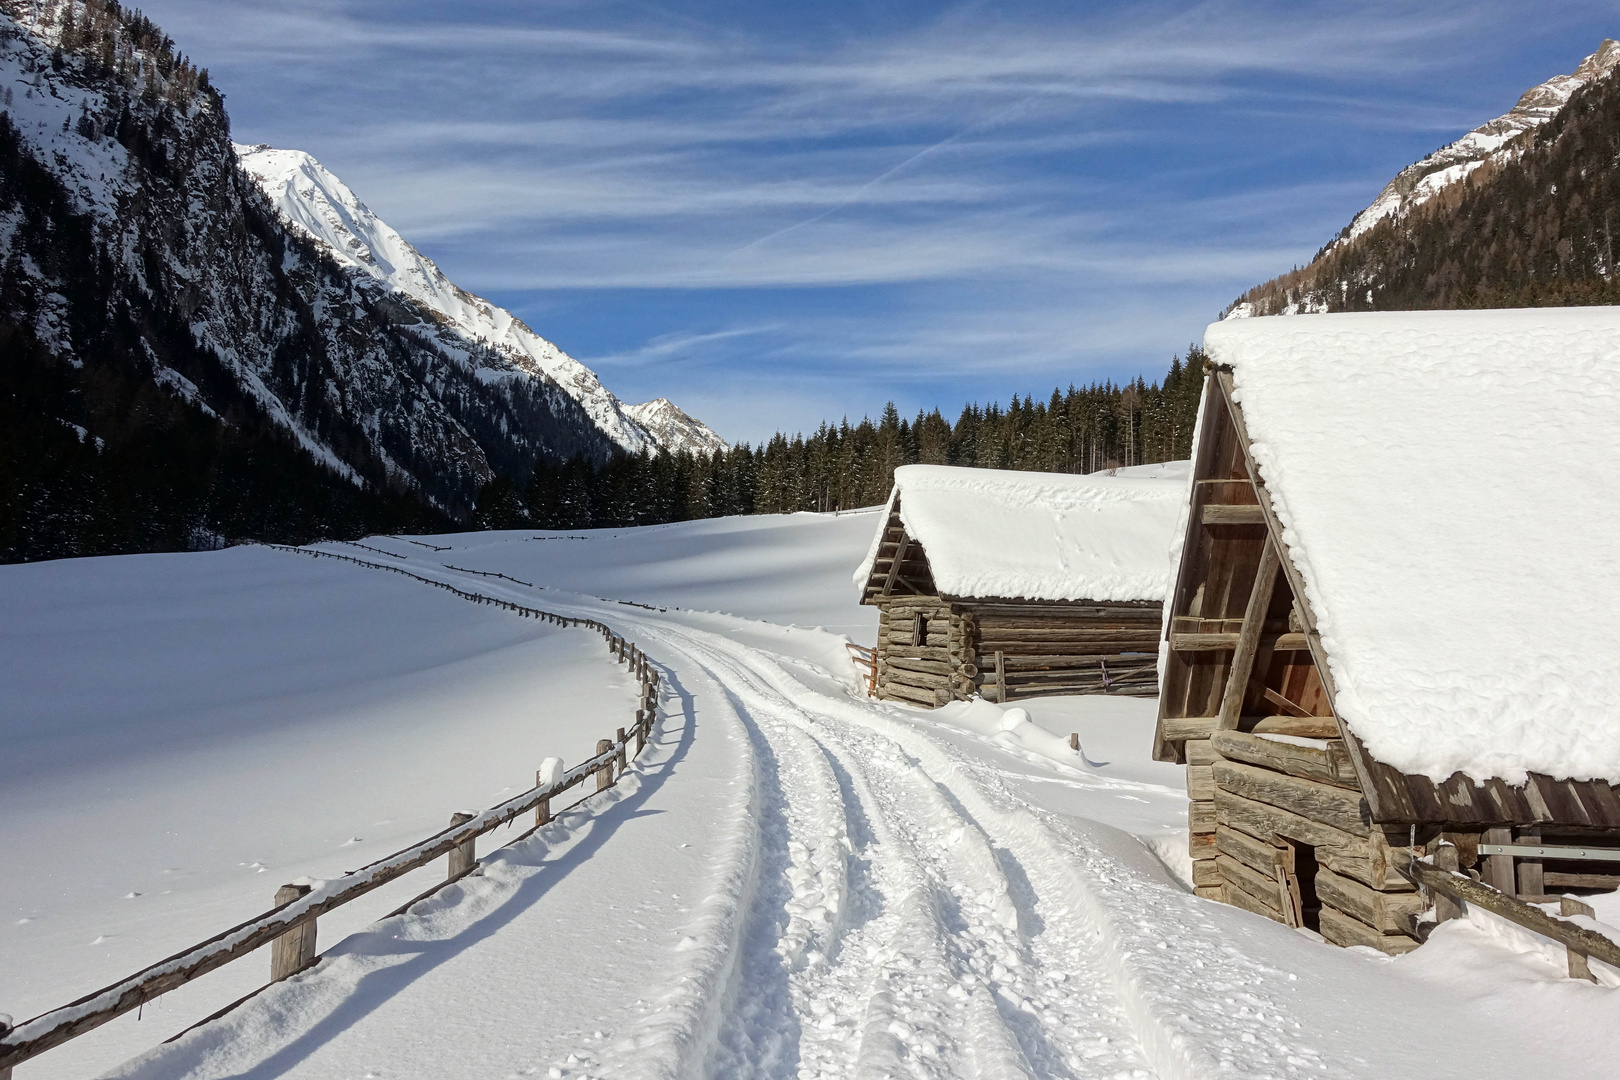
(931, 650)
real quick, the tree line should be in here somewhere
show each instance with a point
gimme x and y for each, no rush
(1083, 430)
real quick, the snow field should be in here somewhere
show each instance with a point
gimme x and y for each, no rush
(185, 733)
(797, 882)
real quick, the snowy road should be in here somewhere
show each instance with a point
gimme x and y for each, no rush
(798, 882)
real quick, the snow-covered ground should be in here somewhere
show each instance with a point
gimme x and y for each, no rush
(793, 881)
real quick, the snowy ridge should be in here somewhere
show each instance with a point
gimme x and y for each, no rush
(1445, 481)
(1040, 536)
(319, 205)
(1493, 141)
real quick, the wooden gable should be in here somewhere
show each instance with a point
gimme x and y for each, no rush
(901, 566)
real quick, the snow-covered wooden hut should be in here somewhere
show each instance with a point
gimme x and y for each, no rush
(1397, 612)
(1015, 584)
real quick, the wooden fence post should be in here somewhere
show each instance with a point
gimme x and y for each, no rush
(1001, 679)
(1446, 908)
(293, 951)
(1074, 741)
(1578, 967)
(604, 775)
(1531, 880)
(1499, 868)
(641, 730)
(5, 1029)
(618, 737)
(463, 856)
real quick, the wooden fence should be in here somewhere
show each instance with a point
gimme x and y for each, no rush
(1454, 890)
(289, 927)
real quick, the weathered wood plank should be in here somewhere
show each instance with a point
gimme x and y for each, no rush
(1177, 728)
(1227, 642)
(1347, 930)
(1205, 872)
(1258, 855)
(1201, 817)
(1233, 514)
(1304, 727)
(1200, 752)
(918, 652)
(930, 667)
(1344, 810)
(1329, 764)
(1070, 633)
(1201, 782)
(1365, 859)
(1234, 894)
(1386, 912)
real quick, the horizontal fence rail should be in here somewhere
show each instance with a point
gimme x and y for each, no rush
(289, 926)
(1442, 877)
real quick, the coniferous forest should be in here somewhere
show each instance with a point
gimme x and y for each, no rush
(1081, 430)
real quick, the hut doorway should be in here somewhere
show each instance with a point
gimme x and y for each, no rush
(1301, 885)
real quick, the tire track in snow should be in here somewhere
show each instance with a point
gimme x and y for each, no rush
(948, 978)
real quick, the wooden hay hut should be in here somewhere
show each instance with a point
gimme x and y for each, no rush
(1396, 617)
(1016, 584)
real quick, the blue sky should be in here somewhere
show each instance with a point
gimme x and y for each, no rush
(779, 213)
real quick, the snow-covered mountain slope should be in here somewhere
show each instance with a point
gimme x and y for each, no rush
(673, 428)
(136, 248)
(1491, 141)
(321, 206)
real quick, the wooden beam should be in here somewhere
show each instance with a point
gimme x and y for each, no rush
(1233, 514)
(1209, 409)
(1499, 868)
(1254, 619)
(894, 567)
(1186, 642)
(1344, 810)
(1328, 764)
(1289, 708)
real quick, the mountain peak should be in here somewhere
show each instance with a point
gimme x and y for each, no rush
(671, 426)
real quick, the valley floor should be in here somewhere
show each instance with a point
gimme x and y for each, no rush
(792, 880)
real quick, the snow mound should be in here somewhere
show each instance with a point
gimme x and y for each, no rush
(1039, 536)
(1445, 481)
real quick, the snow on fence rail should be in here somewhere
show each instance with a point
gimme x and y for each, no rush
(290, 926)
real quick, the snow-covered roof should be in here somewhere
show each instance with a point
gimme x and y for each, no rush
(1040, 536)
(1446, 483)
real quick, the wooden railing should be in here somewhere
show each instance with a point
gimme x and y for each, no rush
(289, 927)
(1456, 890)
(865, 662)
